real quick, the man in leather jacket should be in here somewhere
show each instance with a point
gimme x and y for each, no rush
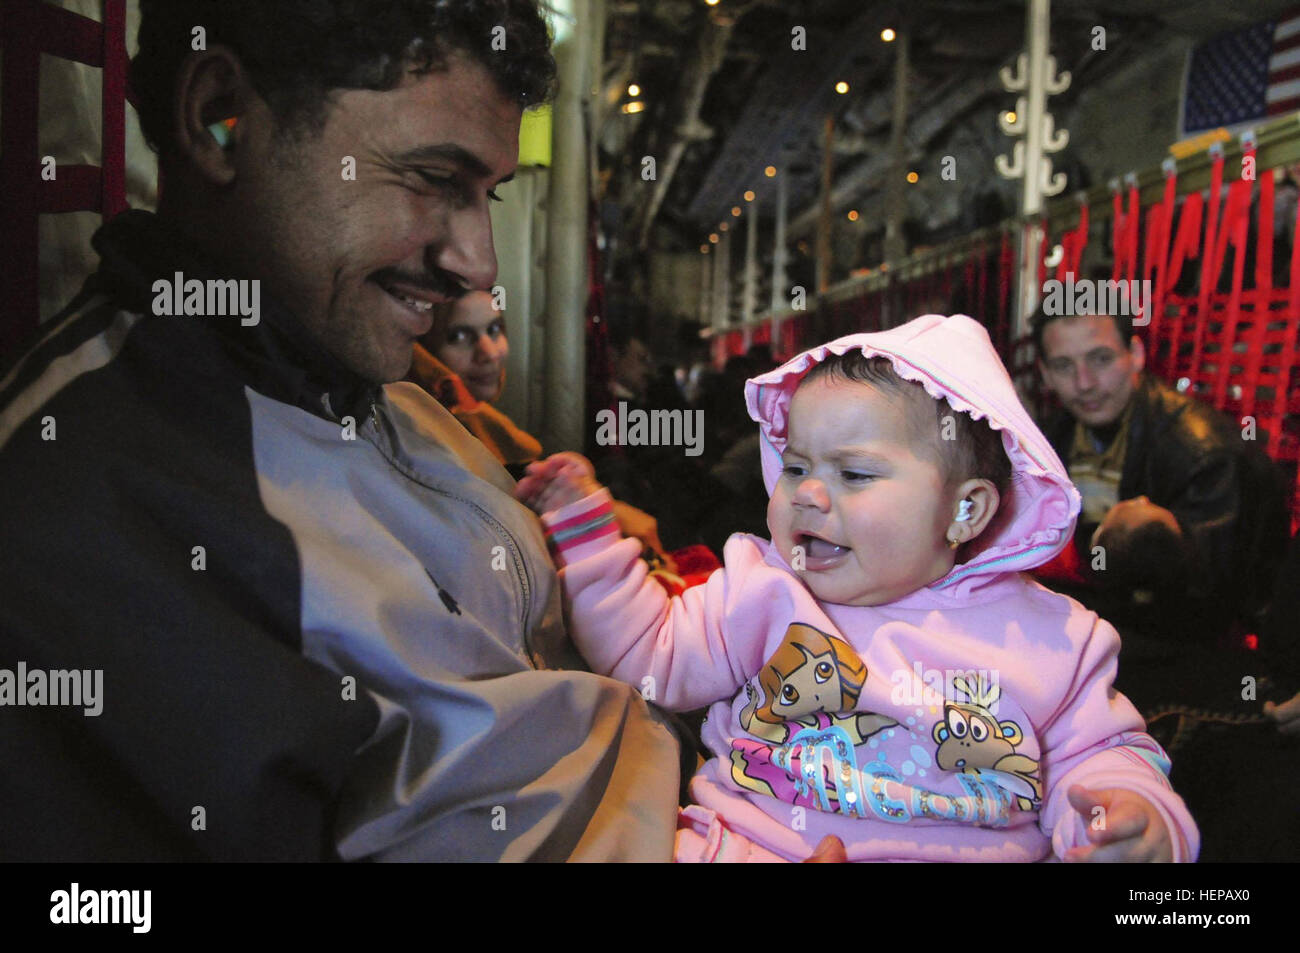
(1183, 528)
(1184, 522)
(1179, 501)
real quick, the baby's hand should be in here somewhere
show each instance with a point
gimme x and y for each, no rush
(557, 481)
(1287, 715)
(1133, 832)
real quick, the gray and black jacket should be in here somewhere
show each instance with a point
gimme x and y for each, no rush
(312, 647)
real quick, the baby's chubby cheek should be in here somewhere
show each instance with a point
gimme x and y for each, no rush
(778, 527)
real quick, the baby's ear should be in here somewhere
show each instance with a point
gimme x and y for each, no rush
(974, 504)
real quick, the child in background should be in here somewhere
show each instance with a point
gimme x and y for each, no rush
(881, 671)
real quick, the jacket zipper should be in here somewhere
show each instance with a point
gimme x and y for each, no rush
(521, 567)
(443, 594)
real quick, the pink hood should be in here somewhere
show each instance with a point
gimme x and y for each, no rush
(952, 358)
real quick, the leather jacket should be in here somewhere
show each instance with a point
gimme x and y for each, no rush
(1227, 496)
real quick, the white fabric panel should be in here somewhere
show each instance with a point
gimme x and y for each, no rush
(518, 232)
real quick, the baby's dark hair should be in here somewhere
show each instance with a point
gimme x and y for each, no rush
(975, 450)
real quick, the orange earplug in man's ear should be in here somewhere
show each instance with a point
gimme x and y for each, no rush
(221, 132)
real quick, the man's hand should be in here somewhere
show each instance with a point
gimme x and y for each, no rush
(1287, 715)
(557, 481)
(1128, 515)
(829, 851)
(1132, 832)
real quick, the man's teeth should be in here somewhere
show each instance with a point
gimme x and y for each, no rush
(415, 303)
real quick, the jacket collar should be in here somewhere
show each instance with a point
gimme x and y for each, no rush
(278, 356)
(1139, 436)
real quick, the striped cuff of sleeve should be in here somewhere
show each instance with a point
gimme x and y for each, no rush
(1157, 760)
(579, 524)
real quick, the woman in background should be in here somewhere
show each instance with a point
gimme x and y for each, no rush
(461, 361)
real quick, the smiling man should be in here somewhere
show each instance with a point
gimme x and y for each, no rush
(1188, 515)
(326, 631)
(1183, 521)
(1173, 492)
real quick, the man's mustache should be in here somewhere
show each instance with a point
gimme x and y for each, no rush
(438, 283)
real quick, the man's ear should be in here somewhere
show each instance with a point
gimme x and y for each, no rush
(1044, 376)
(984, 503)
(1137, 350)
(211, 87)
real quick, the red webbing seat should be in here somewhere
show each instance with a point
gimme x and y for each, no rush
(28, 29)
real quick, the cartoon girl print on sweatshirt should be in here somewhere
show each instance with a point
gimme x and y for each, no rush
(972, 740)
(810, 683)
(809, 756)
(813, 680)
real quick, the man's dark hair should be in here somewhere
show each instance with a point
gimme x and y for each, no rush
(1041, 319)
(622, 333)
(976, 451)
(297, 51)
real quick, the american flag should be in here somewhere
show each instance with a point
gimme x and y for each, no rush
(1244, 76)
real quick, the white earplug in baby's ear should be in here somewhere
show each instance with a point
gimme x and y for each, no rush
(963, 510)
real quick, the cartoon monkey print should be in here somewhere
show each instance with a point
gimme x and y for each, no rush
(971, 739)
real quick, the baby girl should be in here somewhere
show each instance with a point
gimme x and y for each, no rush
(881, 670)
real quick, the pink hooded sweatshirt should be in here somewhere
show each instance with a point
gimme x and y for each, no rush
(947, 725)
